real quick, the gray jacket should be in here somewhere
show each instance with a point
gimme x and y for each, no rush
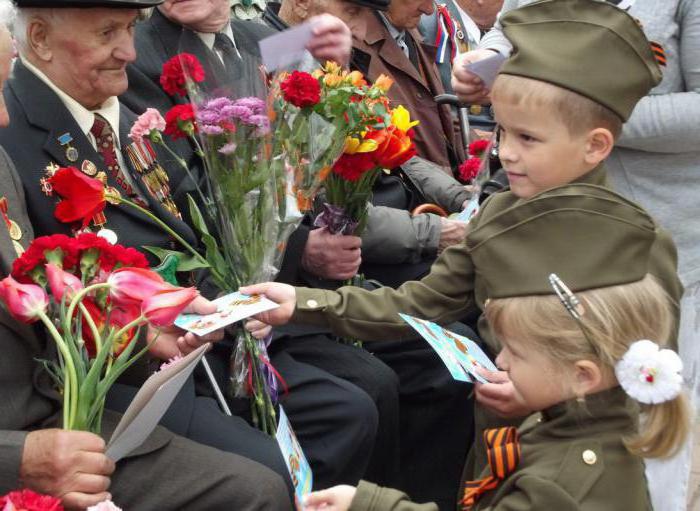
(657, 158)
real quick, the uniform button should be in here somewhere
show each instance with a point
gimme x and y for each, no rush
(419, 95)
(312, 303)
(589, 457)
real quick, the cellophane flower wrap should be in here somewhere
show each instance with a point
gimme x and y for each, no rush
(312, 115)
(93, 298)
(381, 141)
(244, 209)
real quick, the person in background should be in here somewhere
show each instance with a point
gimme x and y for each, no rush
(654, 162)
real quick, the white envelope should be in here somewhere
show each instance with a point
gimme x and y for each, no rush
(150, 404)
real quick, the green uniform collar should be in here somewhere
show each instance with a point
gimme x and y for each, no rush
(607, 404)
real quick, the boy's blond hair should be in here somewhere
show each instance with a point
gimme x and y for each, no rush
(578, 113)
(614, 318)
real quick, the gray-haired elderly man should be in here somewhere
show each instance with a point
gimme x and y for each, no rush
(72, 63)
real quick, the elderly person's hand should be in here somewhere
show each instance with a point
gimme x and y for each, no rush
(331, 40)
(469, 87)
(331, 256)
(70, 465)
(173, 341)
(452, 232)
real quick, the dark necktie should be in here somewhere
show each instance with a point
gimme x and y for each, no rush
(229, 54)
(104, 140)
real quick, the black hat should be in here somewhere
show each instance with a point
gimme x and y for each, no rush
(121, 4)
(379, 5)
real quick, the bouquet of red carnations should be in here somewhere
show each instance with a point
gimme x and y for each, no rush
(93, 298)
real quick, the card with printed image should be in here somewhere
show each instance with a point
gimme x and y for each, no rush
(231, 308)
(468, 355)
(297, 464)
(444, 351)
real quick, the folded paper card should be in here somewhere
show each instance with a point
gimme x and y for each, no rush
(231, 308)
(461, 355)
(150, 404)
(487, 69)
(286, 48)
(298, 466)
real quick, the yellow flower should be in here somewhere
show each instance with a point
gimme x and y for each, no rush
(332, 80)
(332, 67)
(317, 73)
(383, 82)
(401, 118)
(356, 145)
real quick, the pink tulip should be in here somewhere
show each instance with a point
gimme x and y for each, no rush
(24, 301)
(162, 308)
(61, 282)
(131, 286)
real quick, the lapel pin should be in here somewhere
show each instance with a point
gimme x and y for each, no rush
(88, 168)
(71, 152)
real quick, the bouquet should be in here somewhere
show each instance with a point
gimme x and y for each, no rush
(381, 144)
(93, 298)
(27, 500)
(313, 114)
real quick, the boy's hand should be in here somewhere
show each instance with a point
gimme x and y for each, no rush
(70, 465)
(173, 341)
(469, 87)
(331, 40)
(337, 498)
(282, 294)
(258, 329)
(499, 395)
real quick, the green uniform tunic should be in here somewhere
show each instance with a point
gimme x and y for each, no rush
(572, 459)
(465, 275)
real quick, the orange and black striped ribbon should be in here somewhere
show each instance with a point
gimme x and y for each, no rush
(3, 212)
(659, 53)
(503, 451)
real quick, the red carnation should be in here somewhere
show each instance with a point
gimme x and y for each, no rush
(351, 167)
(60, 248)
(469, 169)
(27, 500)
(301, 89)
(178, 70)
(180, 121)
(478, 147)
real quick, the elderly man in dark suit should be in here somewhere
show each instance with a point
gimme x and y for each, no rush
(312, 365)
(72, 465)
(62, 89)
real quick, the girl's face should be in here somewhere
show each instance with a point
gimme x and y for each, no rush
(538, 382)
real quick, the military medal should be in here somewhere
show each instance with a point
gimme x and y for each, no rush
(88, 168)
(71, 152)
(13, 227)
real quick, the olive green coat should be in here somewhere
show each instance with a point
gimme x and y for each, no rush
(459, 281)
(572, 459)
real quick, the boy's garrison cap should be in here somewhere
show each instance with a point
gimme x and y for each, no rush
(587, 46)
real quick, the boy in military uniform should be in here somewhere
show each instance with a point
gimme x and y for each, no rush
(559, 112)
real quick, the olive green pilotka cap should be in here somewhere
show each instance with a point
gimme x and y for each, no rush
(590, 47)
(588, 235)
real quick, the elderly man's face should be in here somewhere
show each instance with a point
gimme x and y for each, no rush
(405, 14)
(87, 51)
(353, 15)
(5, 59)
(483, 12)
(199, 15)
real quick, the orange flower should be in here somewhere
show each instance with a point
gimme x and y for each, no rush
(356, 78)
(395, 150)
(383, 82)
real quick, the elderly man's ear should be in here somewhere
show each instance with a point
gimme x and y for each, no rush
(38, 36)
(301, 8)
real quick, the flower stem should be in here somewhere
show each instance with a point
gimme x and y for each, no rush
(93, 328)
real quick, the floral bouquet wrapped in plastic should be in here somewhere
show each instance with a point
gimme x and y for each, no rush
(93, 298)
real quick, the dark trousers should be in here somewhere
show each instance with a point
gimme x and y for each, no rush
(436, 420)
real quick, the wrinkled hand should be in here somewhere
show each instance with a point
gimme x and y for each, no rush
(282, 294)
(173, 341)
(258, 329)
(499, 395)
(337, 498)
(469, 87)
(331, 39)
(331, 256)
(452, 232)
(70, 465)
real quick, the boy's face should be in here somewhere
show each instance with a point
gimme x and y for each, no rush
(536, 149)
(536, 380)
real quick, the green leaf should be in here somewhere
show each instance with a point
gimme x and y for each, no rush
(187, 261)
(197, 218)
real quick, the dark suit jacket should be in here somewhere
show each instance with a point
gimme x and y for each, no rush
(378, 53)
(38, 119)
(28, 400)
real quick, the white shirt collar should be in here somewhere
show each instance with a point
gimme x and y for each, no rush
(470, 29)
(208, 37)
(84, 117)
